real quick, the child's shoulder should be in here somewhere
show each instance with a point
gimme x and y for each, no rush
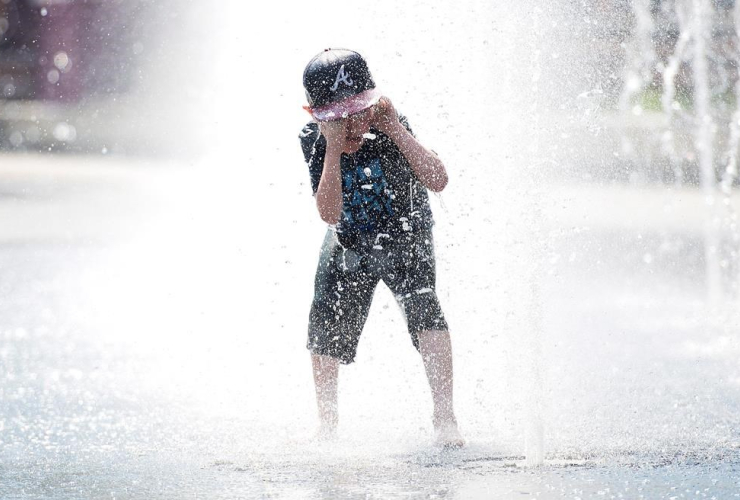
(310, 131)
(312, 142)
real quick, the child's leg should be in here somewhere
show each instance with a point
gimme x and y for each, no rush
(325, 377)
(436, 352)
(411, 276)
(343, 292)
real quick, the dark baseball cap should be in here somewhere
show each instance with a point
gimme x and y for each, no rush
(338, 83)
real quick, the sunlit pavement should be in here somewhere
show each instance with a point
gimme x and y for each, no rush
(152, 347)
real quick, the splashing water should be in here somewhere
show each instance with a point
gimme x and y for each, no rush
(154, 347)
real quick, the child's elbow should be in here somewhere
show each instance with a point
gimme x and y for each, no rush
(330, 219)
(328, 215)
(439, 182)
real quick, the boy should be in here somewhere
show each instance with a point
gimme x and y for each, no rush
(370, 177)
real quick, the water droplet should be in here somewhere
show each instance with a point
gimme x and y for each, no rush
(53, 76)
(62, 61)
(63, 131)
(16, 139)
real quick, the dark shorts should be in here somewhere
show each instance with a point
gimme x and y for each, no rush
(345, 284)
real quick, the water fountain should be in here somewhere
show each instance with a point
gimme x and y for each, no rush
(705, 42)
(172, 364)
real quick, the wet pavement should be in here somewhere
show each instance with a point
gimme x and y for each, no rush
(152, 347)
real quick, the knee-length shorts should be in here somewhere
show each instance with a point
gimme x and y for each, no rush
(345, 284)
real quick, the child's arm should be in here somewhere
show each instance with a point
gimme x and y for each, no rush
(427, 166)
(329, 193)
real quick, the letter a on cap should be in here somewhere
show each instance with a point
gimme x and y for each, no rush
(343, 77)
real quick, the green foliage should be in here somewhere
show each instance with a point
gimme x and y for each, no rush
(650, 98)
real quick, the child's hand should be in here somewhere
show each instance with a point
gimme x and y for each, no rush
(385, 117)
(335, 133)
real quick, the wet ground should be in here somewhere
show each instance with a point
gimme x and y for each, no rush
(153, 319)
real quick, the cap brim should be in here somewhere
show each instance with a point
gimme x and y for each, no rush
(345, 107)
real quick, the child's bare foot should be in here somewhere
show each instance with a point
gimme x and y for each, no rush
(448, 436)
(326, 433)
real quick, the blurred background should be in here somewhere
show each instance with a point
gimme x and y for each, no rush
(87, 77)
(158, 242)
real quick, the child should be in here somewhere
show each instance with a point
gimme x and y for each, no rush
(370, 177)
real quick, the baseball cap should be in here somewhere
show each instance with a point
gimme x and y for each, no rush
(338, 83)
